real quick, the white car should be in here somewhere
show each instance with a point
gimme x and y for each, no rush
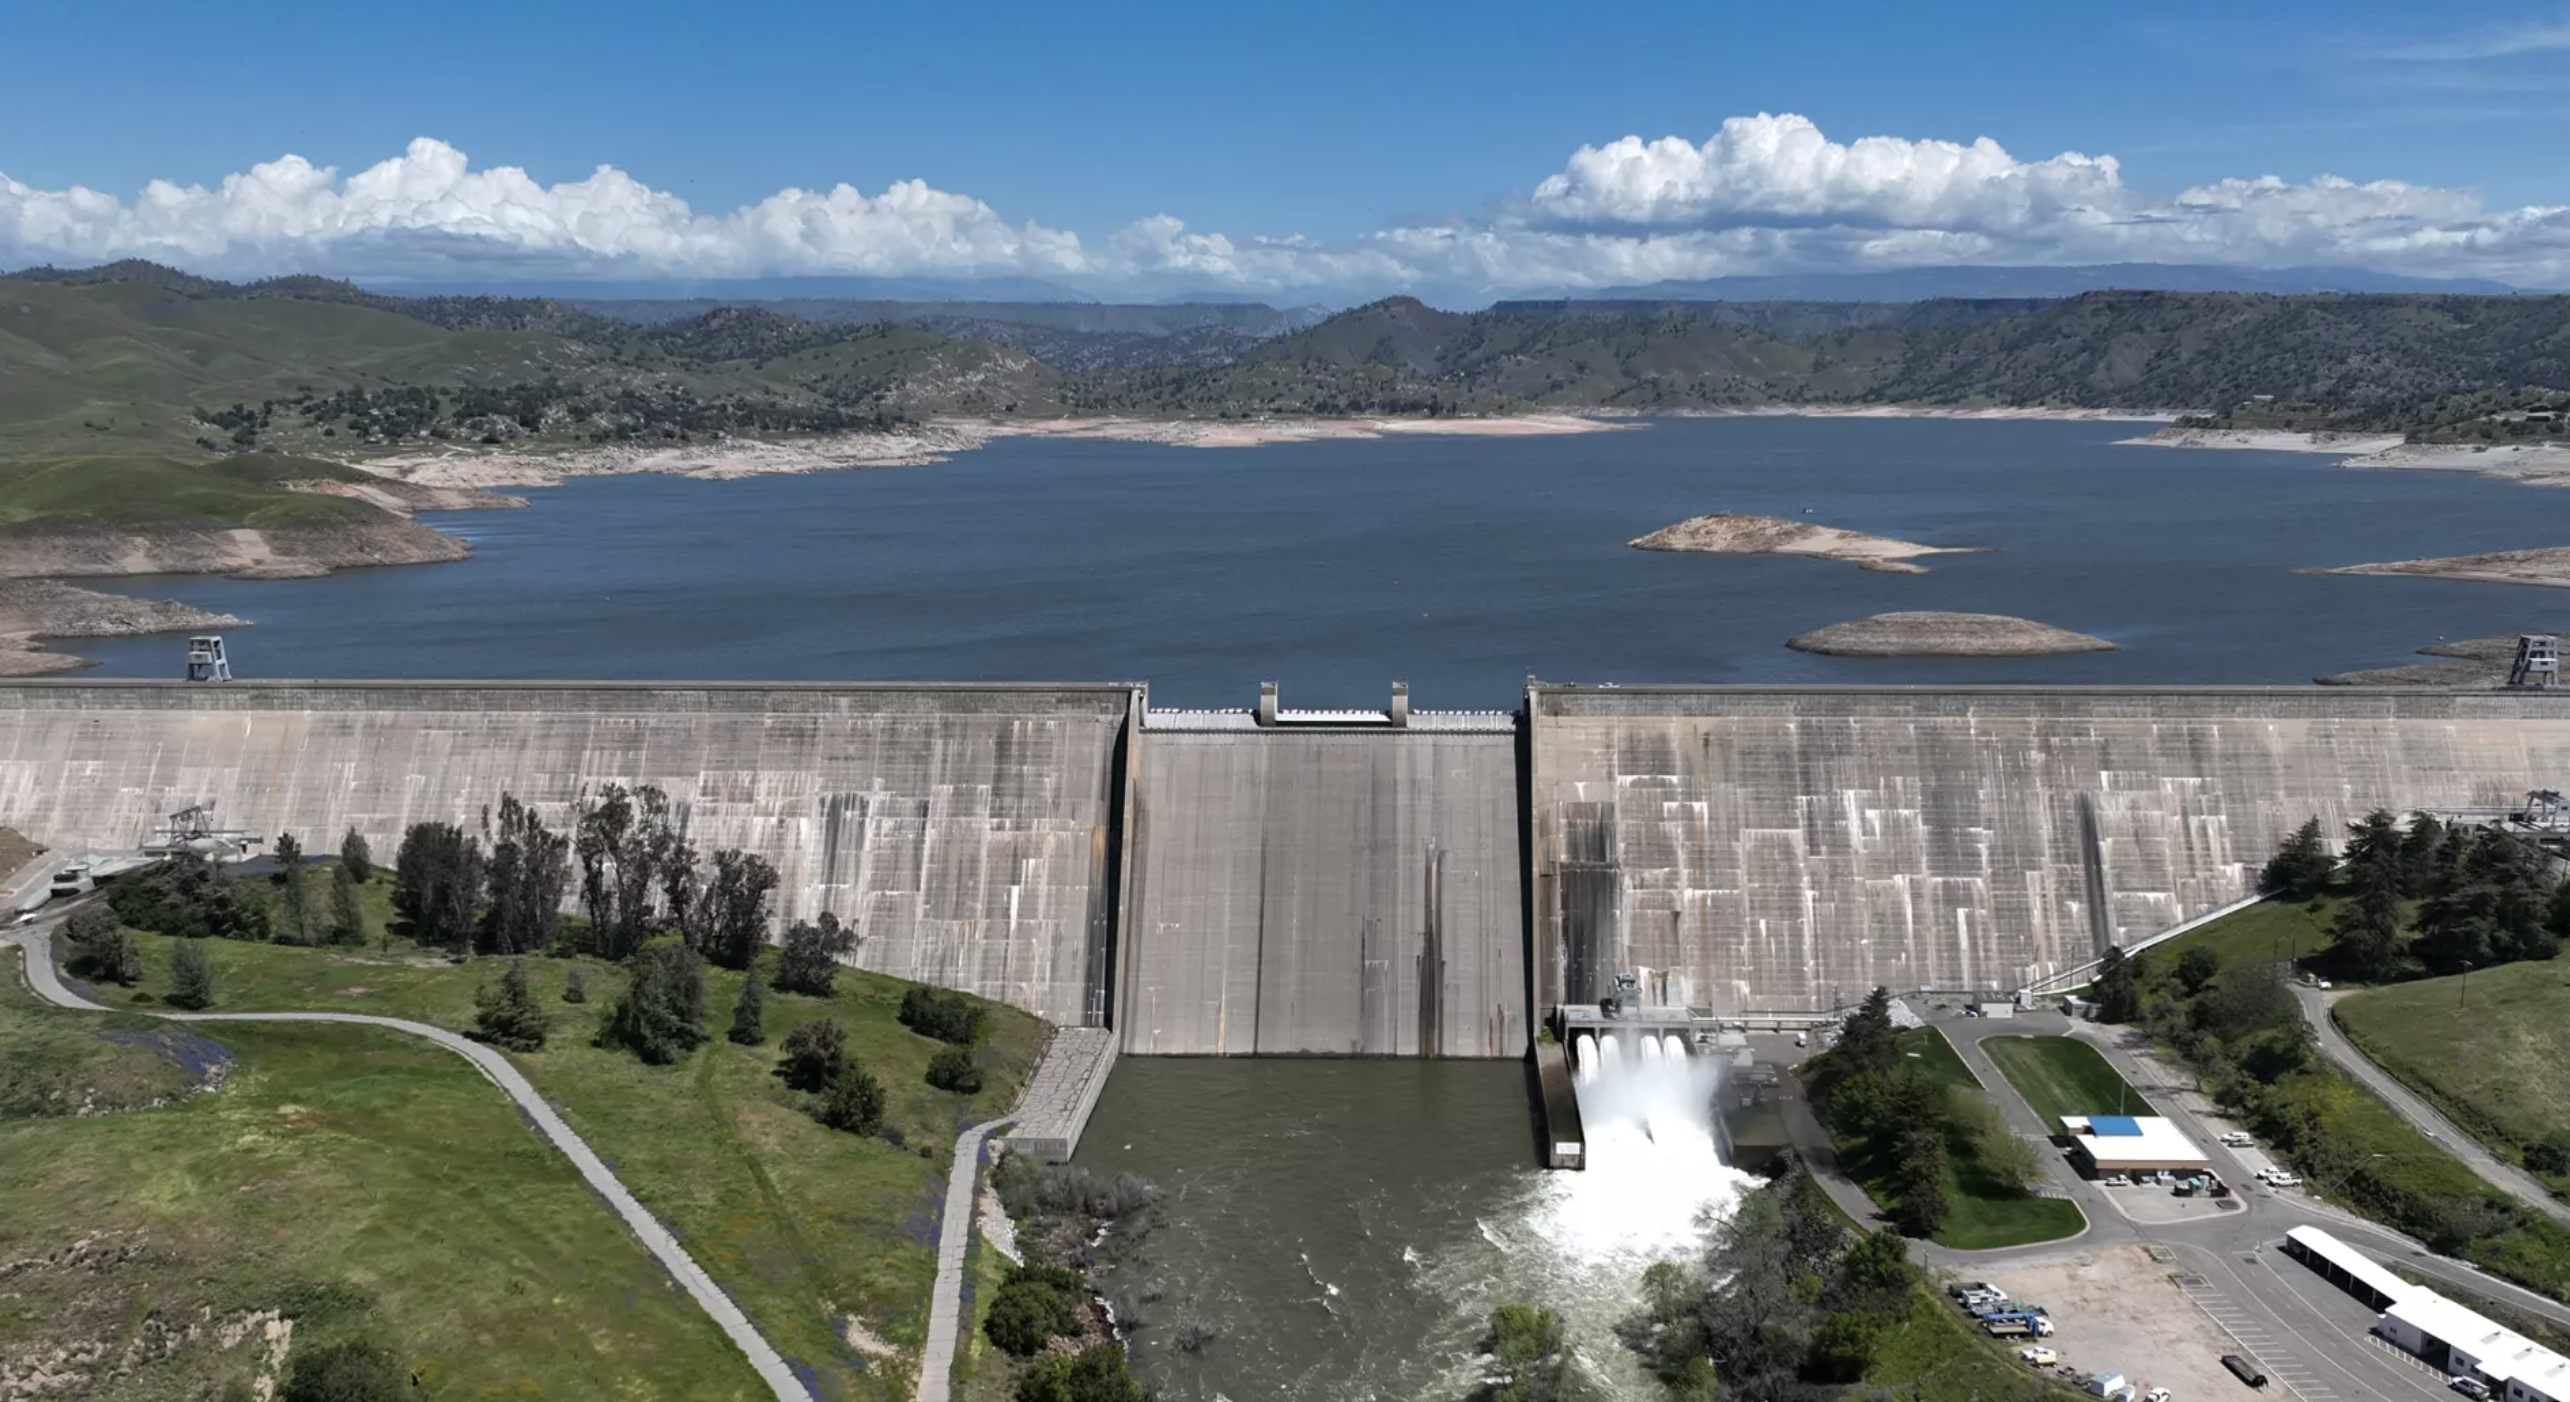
(2282, 1179)
(2115, 1181)
(2157, 1394)
(2238, 1139)
(2039, 1356)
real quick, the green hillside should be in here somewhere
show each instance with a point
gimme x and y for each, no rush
(2491, 1048)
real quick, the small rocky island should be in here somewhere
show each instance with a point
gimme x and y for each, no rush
(1738, 533)
(1932, 634)
(2548, 567)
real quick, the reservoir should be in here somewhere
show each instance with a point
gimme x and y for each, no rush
(1461, 565)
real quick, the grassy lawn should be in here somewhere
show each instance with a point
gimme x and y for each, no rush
(2491, 1049)
(824, 1239)
(1983, 1215)
(1938, 1056)
(2063, 1076)
(2270, 930)
(361, 1182)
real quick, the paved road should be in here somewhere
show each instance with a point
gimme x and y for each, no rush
(946, 1303)
(2422, 1116)
(36, 943)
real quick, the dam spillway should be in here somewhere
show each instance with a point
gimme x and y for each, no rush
(1355, 883)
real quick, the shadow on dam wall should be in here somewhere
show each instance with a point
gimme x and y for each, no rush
(1345, 883)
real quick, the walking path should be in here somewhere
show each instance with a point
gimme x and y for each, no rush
(36, 943)
(2423, 1117)
(954, 1235)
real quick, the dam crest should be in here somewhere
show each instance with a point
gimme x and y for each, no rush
(1390, 882)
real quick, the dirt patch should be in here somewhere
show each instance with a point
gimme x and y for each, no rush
(2115, 1309)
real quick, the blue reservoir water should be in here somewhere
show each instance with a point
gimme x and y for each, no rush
(1461, 565)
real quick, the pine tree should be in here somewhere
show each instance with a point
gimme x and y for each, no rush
(2300, 868)
(347, 917)
(2367, 934)
(294, 924)
(662, 1015)
(748, 1024)
(355, 858)
(2418, 855)
(1867, 1039)
(191, 976)
(506, 1015)
(2119, 986)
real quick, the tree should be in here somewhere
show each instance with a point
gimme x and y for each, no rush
(1844, 1347)
(2419, 853)
(2551, 1154)
(530, 869)
(294, 925)
(437, 885)
(349, 1372)
(948, 1017)
(187, 898)
(1034, 1305)
(575, 985)
(356, 858)
(952, 1069)
(662, 1015)
(749, 1027)
(735, 916)
(631, 853)
(2374, 848)
(1920, 1203)
(506, 1015)
(1527, 1354)
(809, 962)
(815, 1053)
(853, 1103)
(101, 949)
(347, 917)
(2366, 933)
(1095, 1374)
(1867, 1041)
(191, 976)
(2119, 986)
(2300, 868)
(2197, 968)
(1877, 1270)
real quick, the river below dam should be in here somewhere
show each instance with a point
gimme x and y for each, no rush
(1344, 1228)
(1459, 564)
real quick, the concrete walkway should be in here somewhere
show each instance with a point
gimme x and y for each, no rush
(954, 1236)
(36, 943)
(2423, 1117)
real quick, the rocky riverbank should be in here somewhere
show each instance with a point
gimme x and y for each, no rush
(1737, 533)
(33, 609)
(1934, 634)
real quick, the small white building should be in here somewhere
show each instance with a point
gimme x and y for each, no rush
(2131, 1144)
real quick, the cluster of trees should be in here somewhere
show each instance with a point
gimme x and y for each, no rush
(845, 1095)
(640, 878)
(2452, 898)
(1529, 1357)
(451, 894)
(1059, 1210)
(1906, 1129)
(1784, 1297)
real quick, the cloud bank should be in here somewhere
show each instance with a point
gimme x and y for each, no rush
(1763, 194)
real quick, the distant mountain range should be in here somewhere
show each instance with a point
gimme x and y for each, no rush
(1988, 281)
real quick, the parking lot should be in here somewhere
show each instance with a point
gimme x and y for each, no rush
(2115, 1308)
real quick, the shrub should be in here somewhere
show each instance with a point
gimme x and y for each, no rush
(101, 949)
(809, 962)
(1844, 1347)
(749, 1015)
(1098, 1374)
(356, 858)
(506, 1015)
(952, 1069)
(1030, 1189)
(948, 1017)
(2552, 1155)
(186, 898)
(1035, 1304)
(815, 1053)
(575, 985)
(853, 1104)
(351, 1372)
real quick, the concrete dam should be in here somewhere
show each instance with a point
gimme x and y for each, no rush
(1371, 883)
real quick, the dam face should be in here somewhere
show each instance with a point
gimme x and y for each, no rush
(965, 831)
(1358, 883)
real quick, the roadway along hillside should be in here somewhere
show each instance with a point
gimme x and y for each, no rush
(36, 944)
(2422, 1116)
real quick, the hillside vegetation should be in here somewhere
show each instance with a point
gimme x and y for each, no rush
(160, 371)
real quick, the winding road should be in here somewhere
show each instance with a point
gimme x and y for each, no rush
(36, 943)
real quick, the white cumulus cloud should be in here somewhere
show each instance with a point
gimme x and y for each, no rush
(1765, 193)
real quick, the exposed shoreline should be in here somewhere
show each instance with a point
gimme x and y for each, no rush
(2532, 464)
(2546, 567)
(36, 609)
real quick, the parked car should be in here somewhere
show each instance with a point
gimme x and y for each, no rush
(2116, 1180)
(1961, 1288)
(2283, 1180)
(2244, 1370)
(2039, 1355)
(2157, 1394)
(2471, 1387)
(2238, 1139)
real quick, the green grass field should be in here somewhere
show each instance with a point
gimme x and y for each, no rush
(808, 1229)
(2063, 1076)
(2270, 930)
(1982, 1215)
(1938, 1056)
(2490, 1048)
(362, 1182)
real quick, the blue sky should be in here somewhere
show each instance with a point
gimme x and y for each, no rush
(1400, 141)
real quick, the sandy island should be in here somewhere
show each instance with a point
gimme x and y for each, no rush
(1737, 533)
(43, 608)
(2547, 567)
(1931, 634)
(923, 444)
